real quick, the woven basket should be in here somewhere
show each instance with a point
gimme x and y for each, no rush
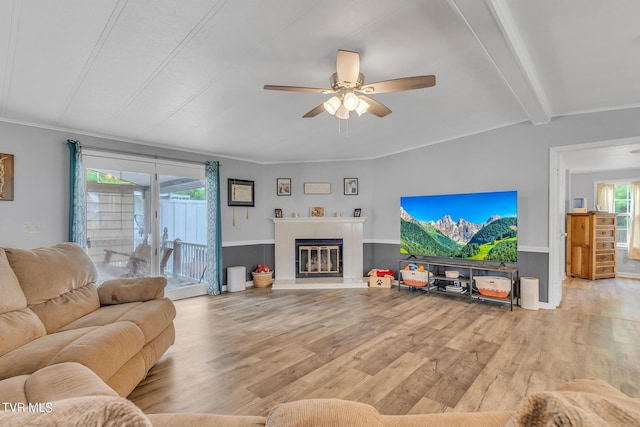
(262, 280)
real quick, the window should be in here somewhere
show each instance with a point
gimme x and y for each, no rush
(147, 217)
(622, 201)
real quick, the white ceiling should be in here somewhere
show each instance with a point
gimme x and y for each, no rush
(188, 74)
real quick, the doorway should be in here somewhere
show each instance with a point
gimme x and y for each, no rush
(604, 155)
(147, 217)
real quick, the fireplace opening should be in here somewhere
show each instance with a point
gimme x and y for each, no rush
(318, 258)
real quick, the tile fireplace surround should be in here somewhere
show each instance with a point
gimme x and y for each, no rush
(287, 230)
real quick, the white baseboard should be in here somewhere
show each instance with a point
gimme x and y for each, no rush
(626, 275)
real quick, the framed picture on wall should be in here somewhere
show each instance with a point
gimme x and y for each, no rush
(316, 211)
(283, 186)
(240, 192)
(351, 186)
(317, 188)
(6, 176)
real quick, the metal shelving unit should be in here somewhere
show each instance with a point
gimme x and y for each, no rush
(466, 270)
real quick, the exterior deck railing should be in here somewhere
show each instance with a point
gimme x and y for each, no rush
(187, 261)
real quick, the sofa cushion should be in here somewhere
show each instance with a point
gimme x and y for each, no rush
(17, 328)
(18, 324)
(12, 296)
(103, 349)
(578, 403)
(12, 389)
(36, 354)
(58, 282)
(152, 317)
(140, 289)
(60, 311)
(64, 381)
(324, 413)
(80, 412)
(47, 273)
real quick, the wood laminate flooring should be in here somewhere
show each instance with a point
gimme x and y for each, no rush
(402, 351)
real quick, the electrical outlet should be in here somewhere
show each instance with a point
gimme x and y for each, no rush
(31, 227)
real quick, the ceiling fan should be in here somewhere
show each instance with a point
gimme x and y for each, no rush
(350, 91)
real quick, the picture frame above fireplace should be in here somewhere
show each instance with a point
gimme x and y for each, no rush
(283, 186)
(316, 211)
(351, 186)
(317, 188)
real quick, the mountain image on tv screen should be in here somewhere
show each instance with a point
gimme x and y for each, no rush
(475, 226)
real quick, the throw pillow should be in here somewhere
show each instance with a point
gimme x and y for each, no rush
(119, 291)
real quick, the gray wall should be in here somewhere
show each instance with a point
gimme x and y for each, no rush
(514, 157)
(583, 184)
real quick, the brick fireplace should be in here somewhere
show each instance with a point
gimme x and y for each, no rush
(344, 233)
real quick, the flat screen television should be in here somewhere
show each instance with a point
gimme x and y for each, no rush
(473, 226)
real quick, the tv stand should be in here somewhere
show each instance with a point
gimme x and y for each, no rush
(466, 273)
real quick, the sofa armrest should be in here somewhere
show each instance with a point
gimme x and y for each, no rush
(119, 291)
(64, 381)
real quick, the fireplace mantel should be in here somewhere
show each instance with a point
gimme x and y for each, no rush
(349, 229)
(343, 219)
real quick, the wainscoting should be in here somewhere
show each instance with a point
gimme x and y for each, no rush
(378, 255)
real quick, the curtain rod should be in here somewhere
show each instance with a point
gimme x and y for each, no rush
(150, 156)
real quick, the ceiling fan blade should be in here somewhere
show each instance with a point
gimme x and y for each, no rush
(398, 85)
(317, 110)
(376, 108)
(348, 67)
(299, 89)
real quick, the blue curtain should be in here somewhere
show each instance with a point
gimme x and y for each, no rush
(213, 275)
(77, 197)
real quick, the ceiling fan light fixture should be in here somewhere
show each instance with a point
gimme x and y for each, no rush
(362, 107)
(332, 105)
(350, 101)
(342, 113)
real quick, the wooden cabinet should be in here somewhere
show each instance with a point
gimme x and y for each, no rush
(591, 245)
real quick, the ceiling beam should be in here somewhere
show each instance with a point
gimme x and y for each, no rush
(492, 24)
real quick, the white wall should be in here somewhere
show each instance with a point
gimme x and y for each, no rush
(331, 172)
(512, 158)
(41, 166)
(42, 184)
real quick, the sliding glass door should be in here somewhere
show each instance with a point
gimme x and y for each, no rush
(147, 218)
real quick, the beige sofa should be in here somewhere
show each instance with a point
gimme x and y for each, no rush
(70, 394)
(51, 312)
(69, 351)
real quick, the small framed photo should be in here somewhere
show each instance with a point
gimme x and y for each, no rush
(283, 186)
(357, 212)
(351, 186)
(316, 211)
(278, 213)
(240, 192)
